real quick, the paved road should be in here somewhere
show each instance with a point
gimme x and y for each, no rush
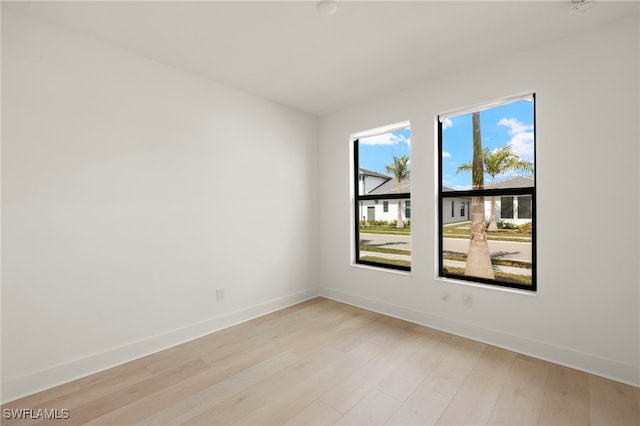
(513, 250)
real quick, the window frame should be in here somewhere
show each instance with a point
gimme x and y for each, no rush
(442, 196)
(356, 218)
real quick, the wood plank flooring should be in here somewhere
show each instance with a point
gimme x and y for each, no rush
(322, 363)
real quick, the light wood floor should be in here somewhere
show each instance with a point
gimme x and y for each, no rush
(323, 362)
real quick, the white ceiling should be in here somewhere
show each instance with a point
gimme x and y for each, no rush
(286, 52)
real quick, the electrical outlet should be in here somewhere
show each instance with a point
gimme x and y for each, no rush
(467, 301)
(220, 294)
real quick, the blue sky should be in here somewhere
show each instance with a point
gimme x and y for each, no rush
(507, 124)
(377, 151)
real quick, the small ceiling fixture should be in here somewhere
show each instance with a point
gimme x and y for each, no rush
(581, 5)
(327, 7)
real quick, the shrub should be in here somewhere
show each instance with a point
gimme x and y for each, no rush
(525, 227)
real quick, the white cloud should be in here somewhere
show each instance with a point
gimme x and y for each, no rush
(522, 137)
(445, 154)
(515, 126)
(385, 139)
(522, 145)
(446, 123)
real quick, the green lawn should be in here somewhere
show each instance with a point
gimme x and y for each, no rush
(385, 230)
(385, 250)
(461, 230)
(457, 230)
(386, 261)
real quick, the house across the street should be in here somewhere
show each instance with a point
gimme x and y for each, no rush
(374, 183)
(514, 209)
(455, 210)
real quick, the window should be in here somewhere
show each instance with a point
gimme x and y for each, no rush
(487, 159)
(506, 208)
(382, 169)
(524, 207)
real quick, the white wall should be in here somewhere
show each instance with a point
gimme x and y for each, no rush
(586, 312)
(131, 191)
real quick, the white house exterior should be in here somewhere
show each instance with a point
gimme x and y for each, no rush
(369, 180)
(516, 209)
(455, 209)
(373, 183)
(386, 210)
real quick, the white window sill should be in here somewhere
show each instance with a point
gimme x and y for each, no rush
(487, 286)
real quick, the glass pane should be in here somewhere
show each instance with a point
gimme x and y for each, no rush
(381, 240)
(504, 254)
(381, 160)
(506, 136)
(488, 237)
(384, 166)
(506, 207)
(524, 207)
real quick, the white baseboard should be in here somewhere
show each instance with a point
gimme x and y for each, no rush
(610, 369)
(28, 384)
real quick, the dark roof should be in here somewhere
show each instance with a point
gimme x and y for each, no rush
(391, 187)
(372, 173)
(515, 182)
(512, 182)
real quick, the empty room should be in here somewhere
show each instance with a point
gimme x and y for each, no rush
(320, 212)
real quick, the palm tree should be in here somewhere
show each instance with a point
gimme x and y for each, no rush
(497, 162)
(400, 170)
(478, 257)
